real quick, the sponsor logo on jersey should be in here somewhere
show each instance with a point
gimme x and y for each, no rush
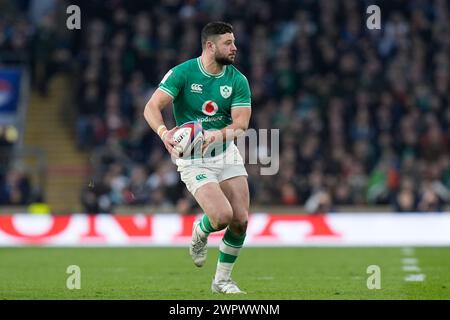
(226, 91)
(197, 88)
(209, 119)
(210, 108)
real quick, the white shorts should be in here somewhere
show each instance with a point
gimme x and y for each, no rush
(197, 172)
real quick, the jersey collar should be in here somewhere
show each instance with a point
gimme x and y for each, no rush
(206, 73)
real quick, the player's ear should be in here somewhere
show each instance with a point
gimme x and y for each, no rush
(210, 45)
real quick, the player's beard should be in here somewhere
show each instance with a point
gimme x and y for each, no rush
(224, 60)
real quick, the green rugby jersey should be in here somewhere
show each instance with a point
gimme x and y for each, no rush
(205, 97)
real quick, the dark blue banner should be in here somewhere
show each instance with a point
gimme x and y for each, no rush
(9, 91)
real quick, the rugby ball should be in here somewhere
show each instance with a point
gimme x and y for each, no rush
(189, 138)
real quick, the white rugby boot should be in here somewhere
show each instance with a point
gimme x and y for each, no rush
(198, 249)
(226, 287)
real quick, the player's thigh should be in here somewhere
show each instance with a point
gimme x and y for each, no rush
(214, 203)
(237, 192)
(233, 182)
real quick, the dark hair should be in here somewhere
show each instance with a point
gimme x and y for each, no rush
(214, 29)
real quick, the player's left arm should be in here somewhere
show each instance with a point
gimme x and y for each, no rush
(241, 119)
(240, 115)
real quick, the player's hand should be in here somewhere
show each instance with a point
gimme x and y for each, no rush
(209, 137)
(169, 142)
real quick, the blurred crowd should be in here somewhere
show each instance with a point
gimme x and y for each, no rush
(364, 115)
(30, 38)
(15, 188)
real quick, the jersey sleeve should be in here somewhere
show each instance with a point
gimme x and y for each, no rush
(242, 96)
(172, 82)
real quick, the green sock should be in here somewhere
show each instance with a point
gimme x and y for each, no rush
(229, 249)
(206, 226)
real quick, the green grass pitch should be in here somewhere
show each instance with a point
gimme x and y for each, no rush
(265, 273)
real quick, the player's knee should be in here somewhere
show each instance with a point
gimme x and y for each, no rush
(239, 226)
(223, 218)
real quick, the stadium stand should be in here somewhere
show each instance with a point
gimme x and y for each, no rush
(364, 114)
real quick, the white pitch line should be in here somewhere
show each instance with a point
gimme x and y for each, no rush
(409, 261)
(408, 251)
(411, 268)
(415, 277)
(410, 264)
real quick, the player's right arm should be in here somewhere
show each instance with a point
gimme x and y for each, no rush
(152, 113)
(167, 91)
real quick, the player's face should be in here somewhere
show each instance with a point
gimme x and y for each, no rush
(225, 49)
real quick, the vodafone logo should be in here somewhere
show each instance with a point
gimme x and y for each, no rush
(210, 108)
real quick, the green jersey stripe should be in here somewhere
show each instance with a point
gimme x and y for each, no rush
(167, 91)
(206, 73)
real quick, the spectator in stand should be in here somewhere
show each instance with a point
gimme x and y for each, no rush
(15, 188)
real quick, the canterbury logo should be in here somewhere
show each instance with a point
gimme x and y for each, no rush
(200, 177)
(198, 88)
